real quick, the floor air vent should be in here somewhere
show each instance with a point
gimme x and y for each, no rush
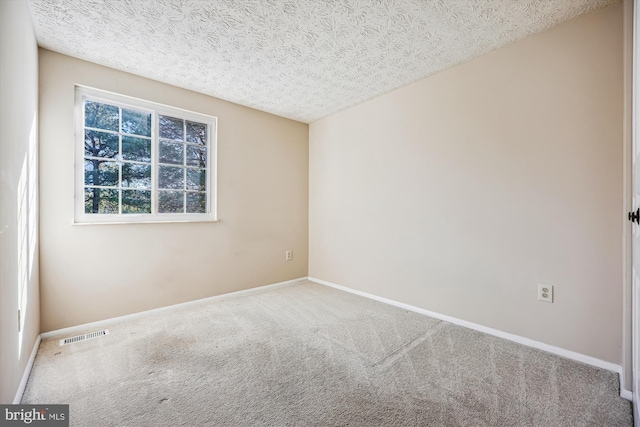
(84, 337)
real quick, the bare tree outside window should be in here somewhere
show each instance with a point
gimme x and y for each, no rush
(139, 161)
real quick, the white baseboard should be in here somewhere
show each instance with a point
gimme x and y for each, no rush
(626, 394)
(27, 372)
(106, 322)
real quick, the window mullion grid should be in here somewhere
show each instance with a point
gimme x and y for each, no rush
(154, 157)
(155, 160)
(113, 132)
(184, 166)
(184, 191)
(119, 160)
(207, 168)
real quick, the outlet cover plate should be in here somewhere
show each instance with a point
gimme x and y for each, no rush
(545, 292)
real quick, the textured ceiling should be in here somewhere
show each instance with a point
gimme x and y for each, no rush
(302, 59)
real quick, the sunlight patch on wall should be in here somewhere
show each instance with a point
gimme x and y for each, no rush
(32, 168)
(27, 232)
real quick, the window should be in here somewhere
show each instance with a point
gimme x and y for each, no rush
(142, 162)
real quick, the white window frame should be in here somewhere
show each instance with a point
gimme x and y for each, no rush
(83, 93)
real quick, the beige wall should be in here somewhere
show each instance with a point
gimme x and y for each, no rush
(460, 193)
(93, 272)
(18, 194)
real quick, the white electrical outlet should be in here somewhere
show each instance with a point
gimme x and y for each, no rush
(288, 255)
(545, 293)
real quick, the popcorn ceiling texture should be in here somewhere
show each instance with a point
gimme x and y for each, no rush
(301, 59)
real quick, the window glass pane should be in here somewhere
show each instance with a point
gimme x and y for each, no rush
(171, 177)
(196, 179)
(196, 203)
(138, 149)
(141, 159)
(171, 202)
(135, 175)
(171, 152)
(197, 133)
(101, 116)
(136, 201)
(136, 122)
(100, 144)
(100, 200)
(196, 156)
(171, 128)
(98, 172)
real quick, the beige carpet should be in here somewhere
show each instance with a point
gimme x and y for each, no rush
(309, 355)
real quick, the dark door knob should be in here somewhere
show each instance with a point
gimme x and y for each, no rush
(634, 216)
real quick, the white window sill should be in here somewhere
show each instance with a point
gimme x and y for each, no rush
(174, 221)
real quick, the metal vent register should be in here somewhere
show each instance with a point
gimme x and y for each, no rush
(84, 337)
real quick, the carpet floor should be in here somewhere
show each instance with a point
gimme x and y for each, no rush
(310, 355)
